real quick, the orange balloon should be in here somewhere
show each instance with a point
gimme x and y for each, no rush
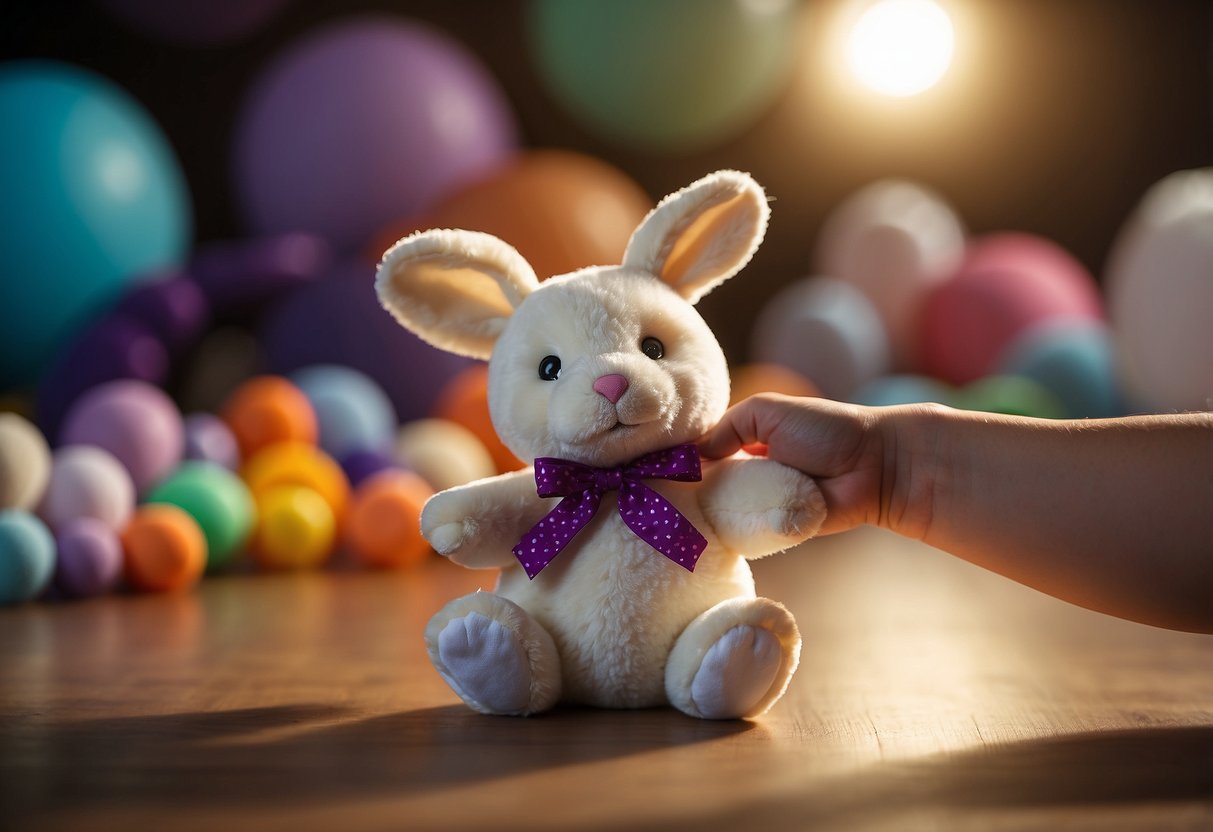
(749, 379)
(465, 400)
(383, 528)
(268, 409)
(561, 210)
(163, 548)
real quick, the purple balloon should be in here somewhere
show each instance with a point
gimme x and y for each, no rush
(339, 321)
(208, 438)
(174, 308)
(117, 347)
(240, 276)
(89, 559)
(136, 422)
(196, 24)
(364, 122)
(362, 465)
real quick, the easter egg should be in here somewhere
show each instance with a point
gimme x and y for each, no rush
(1073, 359)
(219, 502)
(89, 560)
(93, 200)
(302, 464)
(209, 439)
(751, 379)
(27, 556)
(1160, 295)
(443, 453)
(87, 481)
(266, 410)
(384, 525)
(663, 75)
(297, 528)
(25, 463)
(1005, 284)
(826, 330)
(893, 240)
(903, 389)
(164, 549)
(562, 210)
(362, 121)
(357, 333)
(136, 422)
(464, 399)
(352, 411)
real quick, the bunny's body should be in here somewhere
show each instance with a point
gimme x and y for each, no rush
(599, 368)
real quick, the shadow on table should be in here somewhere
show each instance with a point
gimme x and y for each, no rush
(300, 754)
(1146, 766)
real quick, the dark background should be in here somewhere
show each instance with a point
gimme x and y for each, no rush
(1055, 116)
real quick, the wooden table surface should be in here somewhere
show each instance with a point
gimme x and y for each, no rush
(931, 695)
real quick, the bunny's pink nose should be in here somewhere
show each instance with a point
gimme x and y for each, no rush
(612, 386)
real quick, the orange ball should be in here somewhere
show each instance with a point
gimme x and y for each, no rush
(465, 400)
(298, 463)
(268, 409)
(561, 210)
(163, 547)
(384, 524)
(749, 379)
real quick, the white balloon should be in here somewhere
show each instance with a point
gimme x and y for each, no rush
(826, 330)
(1160, 295)
(894, 240)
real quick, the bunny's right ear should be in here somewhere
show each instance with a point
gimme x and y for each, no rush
(455, 289)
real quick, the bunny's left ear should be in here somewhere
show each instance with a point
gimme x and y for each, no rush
(699, 237)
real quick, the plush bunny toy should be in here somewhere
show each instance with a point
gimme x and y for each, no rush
(632, 589)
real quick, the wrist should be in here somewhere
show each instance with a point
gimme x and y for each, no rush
(913, 477)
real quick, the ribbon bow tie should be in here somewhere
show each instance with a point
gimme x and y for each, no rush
(647, 513)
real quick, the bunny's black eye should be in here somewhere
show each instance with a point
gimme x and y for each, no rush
(653, 348)
(549, 368)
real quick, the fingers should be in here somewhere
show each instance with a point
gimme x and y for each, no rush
(736, 429)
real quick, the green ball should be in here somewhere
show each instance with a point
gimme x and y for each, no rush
(27, 556)
(1013, 395)
(220, 502)
(670, 75)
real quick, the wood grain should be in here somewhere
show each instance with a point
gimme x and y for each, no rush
(930, 695)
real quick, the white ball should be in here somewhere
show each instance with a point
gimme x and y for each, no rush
(1160, 295)
(87, 481)
(443, 453)
(893, 240)
(25, 463)
(826, 330)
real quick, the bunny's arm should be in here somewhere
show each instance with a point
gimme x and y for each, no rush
(476, 525)
(758, 507)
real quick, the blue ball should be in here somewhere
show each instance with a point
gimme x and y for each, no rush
(93, 198)
(1072, 359)
(27, 556)
(352, 410)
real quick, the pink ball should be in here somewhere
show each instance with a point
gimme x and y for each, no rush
(87, 482)
(1006, 284)
(136, 422)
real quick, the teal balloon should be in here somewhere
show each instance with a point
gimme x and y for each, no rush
(91, 197)
(27, 556)
(664, 74)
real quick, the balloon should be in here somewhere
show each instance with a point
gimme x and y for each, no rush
(1006, 283)
(196, 24)
(362, 122)
(93, 198)
(1160, 295)
(664, 74)
(561, 210)
(893, 240)
(358, 333)
(827, 331)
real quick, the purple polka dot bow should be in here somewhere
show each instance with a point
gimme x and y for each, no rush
(647, 513)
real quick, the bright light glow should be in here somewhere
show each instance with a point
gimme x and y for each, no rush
(901, 47)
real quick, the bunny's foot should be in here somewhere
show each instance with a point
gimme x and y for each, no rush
(733, 661)
(494, 655)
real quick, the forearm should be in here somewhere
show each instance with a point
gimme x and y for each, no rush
(1114, 515)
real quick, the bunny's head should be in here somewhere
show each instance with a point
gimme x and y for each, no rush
(601, 365)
